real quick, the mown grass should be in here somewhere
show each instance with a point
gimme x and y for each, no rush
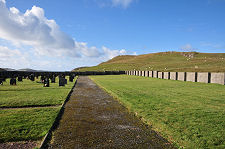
(26, 124)
(28, 93)
(164, 61)
(31, 123)
(191, 115)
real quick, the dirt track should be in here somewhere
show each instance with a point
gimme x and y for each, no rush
(93, 119)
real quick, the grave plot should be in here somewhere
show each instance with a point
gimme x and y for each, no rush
(189, 114)
(28, 93)
(27, 111)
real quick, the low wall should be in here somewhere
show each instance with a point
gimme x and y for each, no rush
(218, 78)
(143, 73)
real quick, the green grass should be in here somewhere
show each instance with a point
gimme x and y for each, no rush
(164, 61)
(28, 93)
(26, 124)
(191, 115)
(21, 124)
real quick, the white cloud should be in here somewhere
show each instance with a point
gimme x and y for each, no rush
(12, 58)
(188, 48)
(123, 3)
(109, 54)
(45, 39)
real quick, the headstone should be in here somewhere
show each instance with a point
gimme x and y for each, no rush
(166, 75)
(71, 78)
(1, 81)
(181, 76)
(203, 77)
(61, 81)
(160, 75)
(53, 79)
(173, 75)
(12, 81)
(65, 81)
(42, 79)
(32, 77)
(191, 76)
(155, 74)
(20, 78)
(218, 78)
(46, 82)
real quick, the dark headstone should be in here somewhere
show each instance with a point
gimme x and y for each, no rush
(65, 80)
(53, 79)
(46, 82)
(20, 78)
(12, 81)
(42, 79)
(61, 81)
(1, 81)
(32, 77)
(71, 78)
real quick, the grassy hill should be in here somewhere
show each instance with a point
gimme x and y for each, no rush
(164, 61)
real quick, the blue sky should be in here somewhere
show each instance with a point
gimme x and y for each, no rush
(62, 35)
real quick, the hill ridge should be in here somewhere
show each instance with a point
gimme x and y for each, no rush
(165, 61)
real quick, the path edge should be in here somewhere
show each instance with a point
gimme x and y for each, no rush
(48, 136)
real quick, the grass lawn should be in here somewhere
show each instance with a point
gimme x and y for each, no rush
(21, 124)
(26, 124)
(191, 115)
(28, 93)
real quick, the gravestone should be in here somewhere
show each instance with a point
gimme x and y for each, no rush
(32, 77)
(46, 82)
(1, 81)
(20, 78)
(71, 78)
(65, 80)
(61, 81)
(42, 79)
(53, 79)
(12, 81)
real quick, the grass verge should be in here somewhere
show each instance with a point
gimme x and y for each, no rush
(188, 114)
(26, 124)
(28, 93)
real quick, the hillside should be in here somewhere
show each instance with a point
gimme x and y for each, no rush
(165, 61)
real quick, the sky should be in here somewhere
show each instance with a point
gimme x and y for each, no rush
(59, 35)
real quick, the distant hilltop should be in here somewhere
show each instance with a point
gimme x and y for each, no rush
(25, 69)
(164, 61)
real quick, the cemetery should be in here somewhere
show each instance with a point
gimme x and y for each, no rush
(32, 104)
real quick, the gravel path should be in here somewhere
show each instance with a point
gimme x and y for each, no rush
(93, 119)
